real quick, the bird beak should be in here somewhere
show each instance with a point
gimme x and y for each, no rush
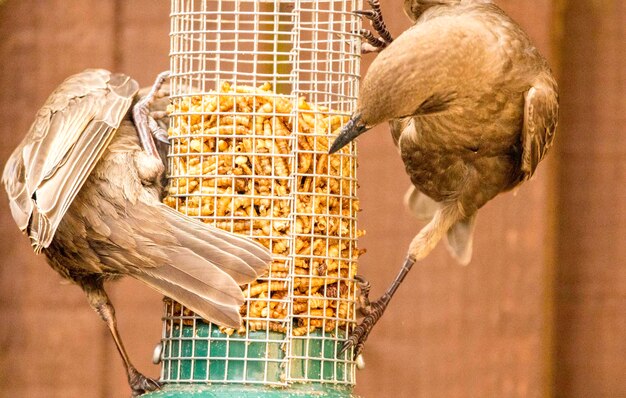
(350, 131)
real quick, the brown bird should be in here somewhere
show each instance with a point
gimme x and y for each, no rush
(472, 107)
(87, 194)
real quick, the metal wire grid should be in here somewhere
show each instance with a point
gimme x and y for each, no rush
(303, 49)
(327, 74)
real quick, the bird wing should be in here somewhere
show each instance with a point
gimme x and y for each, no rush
(398, 127)
(541, 110)
(63, 145)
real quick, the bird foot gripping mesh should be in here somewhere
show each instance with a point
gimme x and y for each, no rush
(258, 90)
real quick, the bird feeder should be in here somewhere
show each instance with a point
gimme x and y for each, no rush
(258, 90)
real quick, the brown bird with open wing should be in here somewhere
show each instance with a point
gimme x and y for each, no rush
(85, 185)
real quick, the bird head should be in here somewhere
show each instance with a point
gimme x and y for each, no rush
(385, 95)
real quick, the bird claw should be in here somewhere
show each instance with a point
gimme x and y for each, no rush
(353, 341)
(141, 384)
(372, 313)
(369, 14)
(367, 48)
(157, 131)
(360, 333)
(373, 43)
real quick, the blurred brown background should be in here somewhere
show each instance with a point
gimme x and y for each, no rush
(540, 311)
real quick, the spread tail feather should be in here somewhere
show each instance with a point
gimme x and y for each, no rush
(240, 257)
(205, 267)
(226, 315)
(460, 239)
(422, 207)
(198, 275)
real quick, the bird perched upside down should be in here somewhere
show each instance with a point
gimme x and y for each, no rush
(472, 107)
(88, 195)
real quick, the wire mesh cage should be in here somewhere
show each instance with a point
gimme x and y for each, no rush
(258, 90)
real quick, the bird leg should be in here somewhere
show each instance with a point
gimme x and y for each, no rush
(426, 240)
(374, 311)
(375, 44)
(99, 301)
(157, 131)
(420, 247)
(146, 125)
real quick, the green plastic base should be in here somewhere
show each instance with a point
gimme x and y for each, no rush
(202, 362)
(204, 354)
(218, 390)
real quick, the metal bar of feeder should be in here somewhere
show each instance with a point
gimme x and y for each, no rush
(303, 49)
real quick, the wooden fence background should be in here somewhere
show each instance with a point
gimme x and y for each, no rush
(540, 312)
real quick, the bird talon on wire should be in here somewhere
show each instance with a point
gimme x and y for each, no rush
(141, 384)
(375, 44)
(358, 337)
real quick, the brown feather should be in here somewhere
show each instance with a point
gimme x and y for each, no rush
(62, 147)
(540, 120)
